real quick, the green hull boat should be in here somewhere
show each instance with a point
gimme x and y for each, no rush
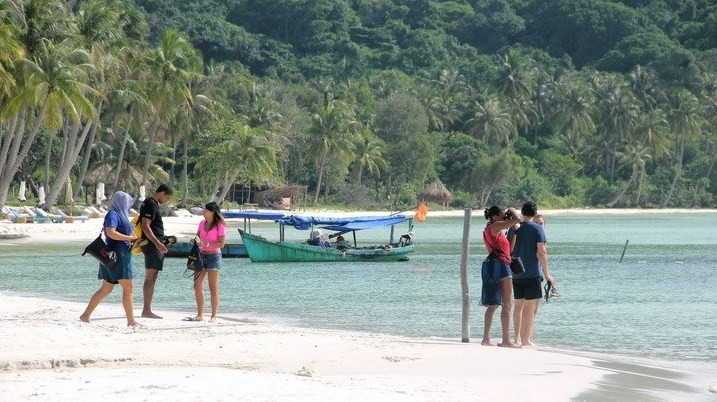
(263, 250)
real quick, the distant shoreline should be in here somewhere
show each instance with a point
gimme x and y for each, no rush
(14, 233)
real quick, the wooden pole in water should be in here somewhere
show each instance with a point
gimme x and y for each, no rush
(623, 250)
(466, 317)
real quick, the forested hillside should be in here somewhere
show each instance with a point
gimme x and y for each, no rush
(567, 102)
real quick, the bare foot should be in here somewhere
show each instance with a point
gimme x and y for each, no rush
(213, 319)
(84, 318)
(487, 342)
(529, 344)
(134, 324)
(150, 315)
(509, 344)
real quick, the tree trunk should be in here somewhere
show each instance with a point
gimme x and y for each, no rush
(150, 145)
(622, 193)
(10, 173)
(678, 170)
(639, 186)
(74, 146)
(8, 137)
(125, 138)
(185, 170)
(227, 185)
(48, 153)
(88, 151)
(321, 175)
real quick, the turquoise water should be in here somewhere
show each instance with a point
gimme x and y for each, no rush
(658, 305)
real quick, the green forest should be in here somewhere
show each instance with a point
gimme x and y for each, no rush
(369, 103)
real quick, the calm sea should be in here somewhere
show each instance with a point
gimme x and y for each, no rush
(658, 306)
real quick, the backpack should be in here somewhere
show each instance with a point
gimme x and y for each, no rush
(137, 223)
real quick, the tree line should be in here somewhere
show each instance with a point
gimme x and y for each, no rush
(569, 103)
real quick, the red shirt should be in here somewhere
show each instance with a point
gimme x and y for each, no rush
(500, 242)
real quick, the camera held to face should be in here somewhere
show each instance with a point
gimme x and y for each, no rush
(508, 216)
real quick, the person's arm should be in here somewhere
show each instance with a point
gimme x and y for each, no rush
(497, 226)
(147, 230)
(543, 258)
(113, 234)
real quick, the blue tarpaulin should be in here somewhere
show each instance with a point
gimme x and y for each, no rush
(342, 224)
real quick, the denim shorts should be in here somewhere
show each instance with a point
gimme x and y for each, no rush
(121, 270)
(212, 261)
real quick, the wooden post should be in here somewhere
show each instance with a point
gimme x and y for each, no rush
(623, 250)
(466, 317)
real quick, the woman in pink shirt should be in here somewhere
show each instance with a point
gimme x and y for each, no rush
(212, 235)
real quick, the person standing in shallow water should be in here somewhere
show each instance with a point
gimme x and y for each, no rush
(119, 235)
(212, 236)
(530, 247)
(495, 241)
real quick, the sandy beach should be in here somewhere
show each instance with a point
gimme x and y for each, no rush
(48, 354)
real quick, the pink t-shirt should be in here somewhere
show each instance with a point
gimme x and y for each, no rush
(211, 236)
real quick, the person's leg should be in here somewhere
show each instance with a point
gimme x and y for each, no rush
(199, 294)
(507, 298)
(487, 322)
(214, 293)
(517, 319)
(127, 301)
(150, 279)
(101, 293)
(527, 320)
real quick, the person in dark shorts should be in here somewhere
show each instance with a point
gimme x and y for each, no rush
(497, 281)
(154, 250)
(530, 247)
(119, 235)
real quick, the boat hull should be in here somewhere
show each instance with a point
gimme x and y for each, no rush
(181, 250)
(262, 250)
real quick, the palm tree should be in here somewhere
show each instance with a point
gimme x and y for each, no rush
(368, 152)
(330, 135)
(634, 155)
(56, 82)
(491, 123)
(685, 122)
(573, 118)
(174, 64)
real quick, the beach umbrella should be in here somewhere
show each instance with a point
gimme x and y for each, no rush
(142, 193)
(21, 193)
(68, 192)
(41, 196)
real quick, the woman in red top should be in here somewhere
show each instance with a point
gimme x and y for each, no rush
(497, 276)
(212, 236)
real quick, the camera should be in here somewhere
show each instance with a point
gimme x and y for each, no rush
(508, 217)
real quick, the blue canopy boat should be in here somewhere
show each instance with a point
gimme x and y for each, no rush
(263, 250)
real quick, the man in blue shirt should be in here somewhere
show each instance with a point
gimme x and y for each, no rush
(530, 247)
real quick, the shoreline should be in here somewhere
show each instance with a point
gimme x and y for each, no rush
(186, 224)
(191, 361)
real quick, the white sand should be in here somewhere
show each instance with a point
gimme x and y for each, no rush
(46, 353)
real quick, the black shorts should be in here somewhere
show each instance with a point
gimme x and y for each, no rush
(527, 288)
(153, 259)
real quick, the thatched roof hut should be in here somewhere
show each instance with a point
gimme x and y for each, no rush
(280, 197)
(436, 192)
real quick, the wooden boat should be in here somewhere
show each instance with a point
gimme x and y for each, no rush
(263, 250)
(231, 250)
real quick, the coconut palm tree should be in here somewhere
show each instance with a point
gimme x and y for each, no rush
(173, 65)
(686, 124)
(330, 135)
(368, 153)
(491, 122)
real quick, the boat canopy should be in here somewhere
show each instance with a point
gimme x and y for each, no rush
(264, 216)
(343, 224)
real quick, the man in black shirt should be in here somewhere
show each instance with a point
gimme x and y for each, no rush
(154, 250)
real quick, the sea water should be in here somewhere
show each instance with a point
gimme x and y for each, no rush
(657, 306)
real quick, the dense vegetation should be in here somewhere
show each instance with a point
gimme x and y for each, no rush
(568, 102)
